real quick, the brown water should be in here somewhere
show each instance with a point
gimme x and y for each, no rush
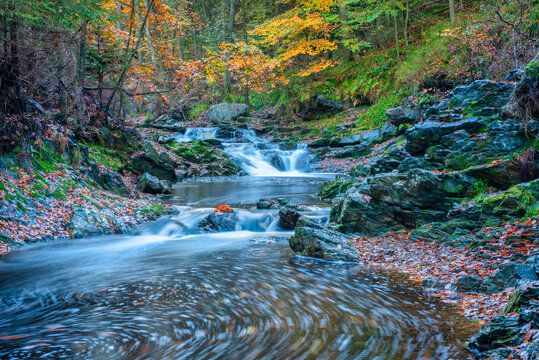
(172, 292)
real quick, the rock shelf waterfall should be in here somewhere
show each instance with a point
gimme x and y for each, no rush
(255, 155)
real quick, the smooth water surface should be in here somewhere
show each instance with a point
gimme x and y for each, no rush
(174, 292)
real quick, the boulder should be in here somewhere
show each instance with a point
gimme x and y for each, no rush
(152, 164)
(311, 240)
(108, 179)
(402, 115)
(88, 222)
(496, 338)
(523, 298)
(500, 332)
(227, 112)
(501, 206)
(501, 174)
(114, 182)
(352, 151)
(323, 103)
(477, 95)
(288, 217)
(322, 107)
(327, 142)
(422, 136)
(393, 201)
(508, 276)
(219, 222)
(152, 185)
(264, 204)
(469, 284)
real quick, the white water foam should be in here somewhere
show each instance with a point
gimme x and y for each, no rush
(255, 155)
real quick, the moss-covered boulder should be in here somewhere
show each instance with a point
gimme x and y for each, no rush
(393, 201)
(526, 93)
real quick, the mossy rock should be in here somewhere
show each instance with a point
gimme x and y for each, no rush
(331, 189)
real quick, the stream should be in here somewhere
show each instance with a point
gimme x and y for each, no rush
(173, 291)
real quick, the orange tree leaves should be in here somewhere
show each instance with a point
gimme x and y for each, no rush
(301, 36)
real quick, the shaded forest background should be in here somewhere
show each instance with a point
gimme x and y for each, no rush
(69, 67)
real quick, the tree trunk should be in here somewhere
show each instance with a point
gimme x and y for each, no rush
(346, 53)
(150, 42)
(452, 11)
(378, 23)
(61, 74)
(246, 40)
(231, 16)
(82, 57)
(396, 39)
(10, 90)
(244, 10)
(406, 19)
(127, 64)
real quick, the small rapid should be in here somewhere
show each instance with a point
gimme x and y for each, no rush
(255, 155)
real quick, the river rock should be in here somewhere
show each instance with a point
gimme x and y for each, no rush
(402, 115)
(152, 185)
(264, 204)
(472, 97)
(108, 179)
(500, 206)
(152, 164)
(394, 201)
(497, 337)
(321, 107)
(288, 217)
(422, 136)
(500, 332)
(219, 222)
(88, 222)
(502, 174)
(226, 112)
(311, 240)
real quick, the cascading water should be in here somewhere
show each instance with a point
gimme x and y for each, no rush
(192, 134)
(255, 155)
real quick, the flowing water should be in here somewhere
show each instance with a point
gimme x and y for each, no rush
(255, 155)
(171, 291)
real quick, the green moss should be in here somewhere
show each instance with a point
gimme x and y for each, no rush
(532, 70)
(197, 110)
(331, 189)
(59, 195)
(20, 206)
(109, 158)
(154, 209)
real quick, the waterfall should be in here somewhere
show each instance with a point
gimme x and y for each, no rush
(255, 155)
(192, 134)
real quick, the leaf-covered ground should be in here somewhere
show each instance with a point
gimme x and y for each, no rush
(438, 266)
(38, 205)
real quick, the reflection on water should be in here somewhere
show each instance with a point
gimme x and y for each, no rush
(242, 191)
(172, 293)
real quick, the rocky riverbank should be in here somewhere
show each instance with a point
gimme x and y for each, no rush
(105, 184)
(447, 193)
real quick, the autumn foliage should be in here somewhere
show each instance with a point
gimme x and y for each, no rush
(223, 208)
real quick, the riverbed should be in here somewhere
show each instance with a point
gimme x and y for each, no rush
(172, 293)
(171, 290)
